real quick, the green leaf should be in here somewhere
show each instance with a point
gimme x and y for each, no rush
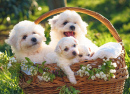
(29, 81)
(81, 66)
(66, 90)
(58, 88)
(40, 70)
(43, 63)
(76, 91)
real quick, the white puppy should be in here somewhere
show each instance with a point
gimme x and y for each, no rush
(27, 40)
(84, 52)
(66, 24)
(108, 50)
(67, 50)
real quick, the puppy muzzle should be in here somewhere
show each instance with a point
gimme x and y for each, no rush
(74, 53)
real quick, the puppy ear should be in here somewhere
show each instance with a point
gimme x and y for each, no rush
(53, 20)
(11, 40)
(58, 49)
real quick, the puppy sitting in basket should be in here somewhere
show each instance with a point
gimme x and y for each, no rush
(67, 50)
(69, 23)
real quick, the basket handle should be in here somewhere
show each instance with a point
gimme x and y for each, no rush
(96, 15)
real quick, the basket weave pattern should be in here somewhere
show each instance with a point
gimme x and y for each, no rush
(85, 85)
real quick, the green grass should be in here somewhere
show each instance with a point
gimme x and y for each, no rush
(9, 83)
(117, 11)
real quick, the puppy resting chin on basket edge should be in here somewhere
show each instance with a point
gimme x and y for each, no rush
(67, 50)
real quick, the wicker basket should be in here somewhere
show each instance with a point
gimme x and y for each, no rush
(98, 86)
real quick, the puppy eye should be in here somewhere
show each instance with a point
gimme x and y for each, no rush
(24, 37)
(66, 49)
(80, 55)
(88, 54)
(75, 23)
(34, 33)
(74, 45)
(65, 23)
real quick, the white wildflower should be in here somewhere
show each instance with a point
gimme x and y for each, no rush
(24, 67)
(39, 8)
(126, 67)
(105, 78)
(99, 66)
(1, 53)
(88, 69)
(79, 71)
(107, 59)
(88, 66)
(93, 77)
(83, 68)
(49, 78)
(112, 71)
(104, 63)
(123, 51)
(12, 59)
(101, 73)
(35, 72)
(104, 60)
(101, 76)
(107, 75)
(97, 75)
(31, 69)
(113, 76)
(40, 78)
(9, 65)
(114, 64)
(87, 73)
(44, 73)
(128, 76)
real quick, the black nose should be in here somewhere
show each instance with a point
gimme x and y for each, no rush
(72, 27)
(34, 40)
(74, 53)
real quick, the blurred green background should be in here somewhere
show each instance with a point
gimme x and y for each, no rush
(116, 11)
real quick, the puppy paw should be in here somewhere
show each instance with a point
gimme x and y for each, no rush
(73, 80)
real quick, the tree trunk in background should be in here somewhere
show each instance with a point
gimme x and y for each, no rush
(53, 4)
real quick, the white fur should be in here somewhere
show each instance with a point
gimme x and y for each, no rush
(73, 19)
(37, 52)
(66, 58)
(108, 50)
(84, 52)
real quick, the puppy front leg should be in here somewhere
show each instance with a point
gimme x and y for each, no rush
(70, 74)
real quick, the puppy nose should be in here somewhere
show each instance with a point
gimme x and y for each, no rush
(72, 27)
(34, 40)
(74, 53)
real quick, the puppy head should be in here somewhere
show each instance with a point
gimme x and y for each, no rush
(68, 23)
(26, 36)
(84, 52)
(67, 47)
